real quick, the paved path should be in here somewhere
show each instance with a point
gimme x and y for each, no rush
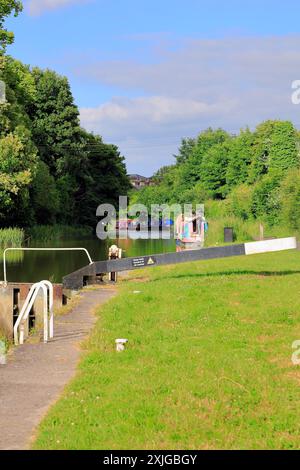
(37, 373)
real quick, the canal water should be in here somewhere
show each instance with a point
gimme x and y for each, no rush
(33, 266)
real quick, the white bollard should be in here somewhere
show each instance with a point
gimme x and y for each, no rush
(2, 353)
(120, 344)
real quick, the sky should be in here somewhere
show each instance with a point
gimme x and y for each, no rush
(146, 73)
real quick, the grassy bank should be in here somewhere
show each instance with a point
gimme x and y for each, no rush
(220, 214)
(58, 232)
(247, 230)
(208, 364)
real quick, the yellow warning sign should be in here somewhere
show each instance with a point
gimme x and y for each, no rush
(150, 262)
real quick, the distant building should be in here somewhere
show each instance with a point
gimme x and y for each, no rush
(139, 182)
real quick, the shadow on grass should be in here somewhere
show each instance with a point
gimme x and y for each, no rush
(230, 273)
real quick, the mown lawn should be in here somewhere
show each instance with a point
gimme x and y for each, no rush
(208, 364)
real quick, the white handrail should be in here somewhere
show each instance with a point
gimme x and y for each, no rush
(28, 309)
(16, 326)
(28, 304)
(51, 311)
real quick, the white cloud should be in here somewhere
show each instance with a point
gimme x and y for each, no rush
(148, 129)
(228, 82)
(157, 110)
(37, 7)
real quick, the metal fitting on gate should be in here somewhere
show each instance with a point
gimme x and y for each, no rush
(114, 253)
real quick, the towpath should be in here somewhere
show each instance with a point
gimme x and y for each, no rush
(36, 374)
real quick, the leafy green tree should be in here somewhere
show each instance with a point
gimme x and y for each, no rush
(190, 171)
(55, 122)
(103, 178)
(20, 95)
(289, 195)
(197, 195)
(266, 199)
(7, 7)
(261, 151)
(51, 170)
(283, 152)
(153, 195)
(18, 159)
(240, 201)
(213, 170)
(44, 196)
(163, 174)
(275, 147)
(239, 159)
(185, 150)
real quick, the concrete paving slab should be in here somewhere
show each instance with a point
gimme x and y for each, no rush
(36, 374)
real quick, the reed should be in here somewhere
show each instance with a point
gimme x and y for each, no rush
(58, 232)
(11, 237)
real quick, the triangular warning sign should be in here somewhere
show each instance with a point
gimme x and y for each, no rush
(150, 261)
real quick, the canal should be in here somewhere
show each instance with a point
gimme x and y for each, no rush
(35, 266)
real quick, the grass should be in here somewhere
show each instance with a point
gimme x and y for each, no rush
(219, 215)
(247, 230)
(10, 237)
(58, 232)
(208, 363)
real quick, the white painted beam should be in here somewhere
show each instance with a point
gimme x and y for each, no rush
(269, 246)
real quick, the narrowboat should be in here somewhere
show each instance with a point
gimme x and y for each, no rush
(190, 232)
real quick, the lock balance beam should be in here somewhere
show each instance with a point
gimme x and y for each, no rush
(75, 281)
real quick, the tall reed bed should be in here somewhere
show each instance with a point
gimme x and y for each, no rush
(58, 232)
(11, 237)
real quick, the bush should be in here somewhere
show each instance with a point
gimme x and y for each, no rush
(266, 200)
(240, 202)
(290, 200)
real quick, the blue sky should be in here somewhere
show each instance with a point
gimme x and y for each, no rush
(146, 73)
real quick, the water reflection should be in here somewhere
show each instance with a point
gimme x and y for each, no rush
(35, 266)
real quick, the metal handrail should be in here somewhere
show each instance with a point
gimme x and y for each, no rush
(28, 304)
(51, 304)
(39, 249)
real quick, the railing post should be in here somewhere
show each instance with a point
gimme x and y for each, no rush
(51, 312)
(46, 325)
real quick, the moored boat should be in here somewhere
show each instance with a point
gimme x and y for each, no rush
(190, 232)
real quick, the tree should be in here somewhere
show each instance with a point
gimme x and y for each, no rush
(50, 169)
(240, 201)
(103, 178)
(55, 122)
(190, 171)
(283, 152)
(20, 95)
(213, 170)
(185, 150)
(289, 195)
(7, 7)
(265, 199)
(18, 159)
(44, 196)
(239, 159)
(274, 148)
